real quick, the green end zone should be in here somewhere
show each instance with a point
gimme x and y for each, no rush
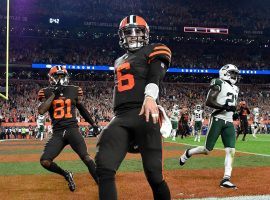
(5, 96)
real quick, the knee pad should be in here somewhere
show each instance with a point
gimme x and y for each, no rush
(45, 163)
(105, 174)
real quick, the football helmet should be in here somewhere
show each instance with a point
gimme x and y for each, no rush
(133, 33)
(242, 104)
(229, 73)
(175, 107)
(58, 75)
(198, 107)
(255, 110)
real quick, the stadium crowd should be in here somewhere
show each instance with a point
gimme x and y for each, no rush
(192, 54)
(98, 98)
(249, 14)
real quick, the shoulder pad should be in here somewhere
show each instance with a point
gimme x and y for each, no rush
(160, 51)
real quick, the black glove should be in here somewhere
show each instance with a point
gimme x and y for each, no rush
(229, 108)
(58, 89)
(96, 130)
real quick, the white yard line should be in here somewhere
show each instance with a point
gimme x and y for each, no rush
(257, 197)
(257, 154)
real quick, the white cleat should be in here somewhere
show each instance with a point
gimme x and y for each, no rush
(184, 158)
(226, 183)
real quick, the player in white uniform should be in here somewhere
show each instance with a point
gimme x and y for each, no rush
(256, 122)
(197, 118)
(41, 126)
(174, 120)
(222, 96)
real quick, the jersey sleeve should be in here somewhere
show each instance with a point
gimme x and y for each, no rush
(161, 52)
(80, 92)
(41, 94)
(216, 82)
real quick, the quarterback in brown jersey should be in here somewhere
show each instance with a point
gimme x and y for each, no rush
(138, 74)
(61, 100)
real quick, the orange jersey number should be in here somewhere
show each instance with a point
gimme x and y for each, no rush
(59, 108)
(126, 81)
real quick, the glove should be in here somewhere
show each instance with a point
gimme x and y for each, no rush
(58, 89)
(96, 130)
(230, 108)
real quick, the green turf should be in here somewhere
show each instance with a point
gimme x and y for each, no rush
(259, 145)
(197, 162)
(35, 151)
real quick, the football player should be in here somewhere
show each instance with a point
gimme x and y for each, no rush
(138, 74)
(197, 117)
(222, 96)
(61, 99)
(243, 115)
(256, 123)
(174, 120)
(184, 122)
(41, 126)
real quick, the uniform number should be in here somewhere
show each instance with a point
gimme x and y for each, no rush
(232, 99)
(198, 115)
(126, 81)
(59, 106)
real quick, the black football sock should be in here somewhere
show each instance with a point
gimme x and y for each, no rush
(55, 168)
(106, 185)
(161, 191)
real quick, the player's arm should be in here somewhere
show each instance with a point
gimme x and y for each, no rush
(84, 112)
(211, 99)
(45, 103)
(159, 61)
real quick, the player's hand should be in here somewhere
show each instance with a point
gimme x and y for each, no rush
(57, 90)
(96, 130)
(150, 108)
(230, 108)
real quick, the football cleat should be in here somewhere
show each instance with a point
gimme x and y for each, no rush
(226, 183)
(70, 180)
(184, 158)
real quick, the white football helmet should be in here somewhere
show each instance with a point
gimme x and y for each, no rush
(255, 110)
(198, 107)
(175, 107)
(229, 73)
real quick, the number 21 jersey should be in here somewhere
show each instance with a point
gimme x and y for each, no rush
(228, 94)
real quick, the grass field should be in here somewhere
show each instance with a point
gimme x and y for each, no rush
(20, 172)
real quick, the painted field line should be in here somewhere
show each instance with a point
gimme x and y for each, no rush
(256, 154)
(257, 197)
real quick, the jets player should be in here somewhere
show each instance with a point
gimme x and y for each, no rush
(255, 125)
(197, 117)
(40, 126)
(222, 96)
(174, 119)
